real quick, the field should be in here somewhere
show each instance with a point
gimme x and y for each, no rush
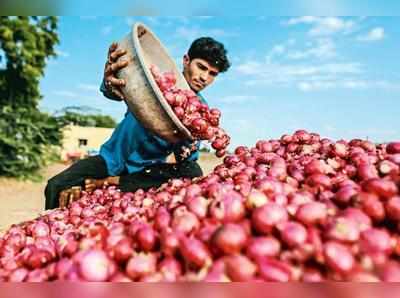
(22, 201)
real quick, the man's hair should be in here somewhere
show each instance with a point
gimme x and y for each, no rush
(210, 50)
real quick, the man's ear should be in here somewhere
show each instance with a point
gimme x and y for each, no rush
(186, 60)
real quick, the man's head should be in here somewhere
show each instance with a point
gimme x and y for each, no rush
(205, 59)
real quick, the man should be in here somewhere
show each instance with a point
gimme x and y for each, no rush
(133, 157)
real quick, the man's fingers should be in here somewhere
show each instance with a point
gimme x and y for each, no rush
(62, 198)
(116, 82)
(111, 69)
(118, 65)
(112, 48)
(118, 93)
(116, 54)
(90, 187)
(70, 199)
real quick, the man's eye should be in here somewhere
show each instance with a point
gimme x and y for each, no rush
(202, 67)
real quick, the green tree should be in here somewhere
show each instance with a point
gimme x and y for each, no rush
(84, 116)
(26, 134)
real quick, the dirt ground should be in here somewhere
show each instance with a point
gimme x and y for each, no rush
(21, 201)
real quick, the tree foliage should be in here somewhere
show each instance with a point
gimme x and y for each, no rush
(84, 116)
(26, 133)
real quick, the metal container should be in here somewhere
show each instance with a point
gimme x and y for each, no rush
(142, 94)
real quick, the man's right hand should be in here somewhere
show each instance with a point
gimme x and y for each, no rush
(113, 65)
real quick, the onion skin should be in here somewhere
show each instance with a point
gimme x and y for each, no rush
(312, 213)
(140, 265)
(273, 270)
(240, 268)
(267, 216)
(195, 252)
(338, 257)
(94, 266)
(393, 148)
(392, 208)
(229, 239)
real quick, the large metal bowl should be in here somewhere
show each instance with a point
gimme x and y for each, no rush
(143, 96)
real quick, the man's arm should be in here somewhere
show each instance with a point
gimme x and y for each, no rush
(111, 85)
(187, 152)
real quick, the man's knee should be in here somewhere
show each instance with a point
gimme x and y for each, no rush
(192, 170)
(53, 183)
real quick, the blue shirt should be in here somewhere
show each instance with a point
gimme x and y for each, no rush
(131, 147)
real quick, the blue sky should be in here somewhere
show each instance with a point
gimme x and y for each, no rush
(337, 76)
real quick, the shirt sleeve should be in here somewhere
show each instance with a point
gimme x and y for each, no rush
(178, 151)
(107, 93)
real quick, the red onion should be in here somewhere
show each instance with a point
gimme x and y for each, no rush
(343, 229)
(169, 243)
(123, 250)
(267, 216)
(375, 241)
(392, 208)
(170, 268)
(312, 213)
(262, 247)
(273, 270)
(141, 265)
(338, 257)
(146, 237)
(293, 233)
(95, 265)
(195, 252)
(229, 208)
(240, 268)
(393, 148)
(383, 188)
(186, 222)
(229, 239)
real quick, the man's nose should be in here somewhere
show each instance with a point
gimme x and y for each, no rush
(204, 76)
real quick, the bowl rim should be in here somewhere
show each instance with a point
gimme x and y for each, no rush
(165, 105)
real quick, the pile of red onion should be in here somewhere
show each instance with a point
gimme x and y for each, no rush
(300, 208)
(198, 118)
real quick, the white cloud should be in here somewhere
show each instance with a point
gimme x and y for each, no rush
(250, 68)
(62, 53)
(307, 77)
(106, 30)
(375, 34)
(279, 49)
(89, 87)
(330, 127)
(312, 86)
(323, 26)
(271, 71)
(324, 49)
(130, 21)
(184, 20)
(153, 20)
(65, 93)
(238, 99)
(301, 20)
(355, 84)
(345, 83)
(191, 33)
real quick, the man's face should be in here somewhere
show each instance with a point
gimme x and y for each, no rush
(198, 73)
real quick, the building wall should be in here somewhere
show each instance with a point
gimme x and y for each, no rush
(94, 136)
